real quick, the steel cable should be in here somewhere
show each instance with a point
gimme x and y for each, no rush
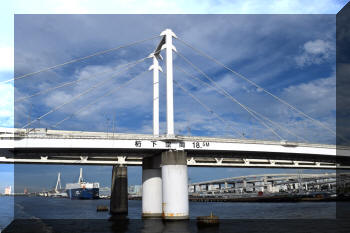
(79, 59)
(82, 93)
(258, 86)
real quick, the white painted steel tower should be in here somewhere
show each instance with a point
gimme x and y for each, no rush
(151, 172)
(164, 176)
(169, 34)
(156, 68)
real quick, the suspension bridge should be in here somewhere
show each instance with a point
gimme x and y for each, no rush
(163, 157)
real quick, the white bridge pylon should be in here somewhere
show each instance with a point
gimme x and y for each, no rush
(165, 43)
(156, 68)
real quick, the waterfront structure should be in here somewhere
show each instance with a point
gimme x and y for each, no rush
(8, 190)
(104, 192)
(135, 190)
(58, 191)
(266, 183)
(82, 189)
(164, 158)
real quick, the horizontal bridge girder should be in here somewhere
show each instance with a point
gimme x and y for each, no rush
(102, 148)
(161, 145)
(192, 162)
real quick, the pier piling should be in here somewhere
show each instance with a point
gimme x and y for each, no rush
(151, 187)
(119, 191)
(175, 190)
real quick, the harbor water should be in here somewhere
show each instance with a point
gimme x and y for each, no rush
(64, 208)
(6, 211)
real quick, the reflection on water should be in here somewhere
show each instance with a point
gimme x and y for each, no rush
(62, 208)
(6, 211)
(185, 226)
(37, 214)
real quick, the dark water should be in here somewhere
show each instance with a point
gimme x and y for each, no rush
(6, 211)
(62, 208)
(74, 212)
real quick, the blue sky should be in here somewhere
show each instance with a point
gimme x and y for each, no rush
(291, 56)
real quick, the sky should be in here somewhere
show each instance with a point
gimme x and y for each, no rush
(293, 56)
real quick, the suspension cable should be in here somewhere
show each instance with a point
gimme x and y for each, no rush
(72, 82)
(82, 93)
(258, 86)
(99, 98)
(230, 96)
(222, 93)
(79, 59)
(208, 109)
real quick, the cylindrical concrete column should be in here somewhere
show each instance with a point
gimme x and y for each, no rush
(175, 187)
(151, 188)
(119, 191)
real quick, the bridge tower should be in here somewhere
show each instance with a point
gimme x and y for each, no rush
(168, 45)
(151, 172)
(58, 183)
(164, 176)
(156, 68)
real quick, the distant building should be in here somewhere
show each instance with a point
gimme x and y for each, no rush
(135, 190)
(105, 192)
(8, 190)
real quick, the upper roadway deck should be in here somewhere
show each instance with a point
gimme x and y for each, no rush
(31, 143)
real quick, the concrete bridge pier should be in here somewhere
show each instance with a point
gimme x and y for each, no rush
(175, 187)
(151, 187)
(119, 191)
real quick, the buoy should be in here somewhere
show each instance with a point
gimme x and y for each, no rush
(102, 208)
(210, 220)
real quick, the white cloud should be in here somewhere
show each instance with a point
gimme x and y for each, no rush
(6, 105)
(57, 98)
(317, 47)
(317, 97)
(280, 7)
(6, 58)
(179, 6)
(315, 52)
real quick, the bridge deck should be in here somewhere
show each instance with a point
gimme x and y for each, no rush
(57, 146)
(47, 133)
